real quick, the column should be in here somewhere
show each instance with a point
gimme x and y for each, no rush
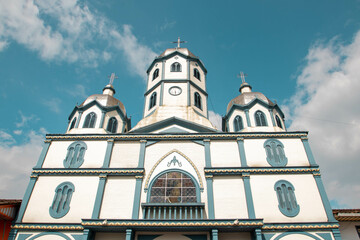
(308, 151)
(240, 142)
(247, 118)
(99, 196)
(78, 119)
(110, 145)
(324, 197)
(42, 156)
(102, 119)
(248, 195)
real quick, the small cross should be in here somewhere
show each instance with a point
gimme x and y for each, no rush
(178, 42)
(112, 77)
(242, 76)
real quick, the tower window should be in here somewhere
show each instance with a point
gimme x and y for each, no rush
(275, 154)
(173, 187)
(152, 100)
(155, 74)
(175, 67)
(61, 203)
(197, 99)
(90, 120)
(238, 124)
(278, 121)
(286, 198)
(197, 73)
(112, 125)
(260, 119)
(72, 125)
(75, 155)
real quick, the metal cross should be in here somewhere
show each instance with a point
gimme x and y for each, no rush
(242, 76)
(178, 42)
(112, 77)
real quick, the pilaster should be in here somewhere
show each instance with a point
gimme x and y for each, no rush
(42, 156)
(26, 198)
(248, 195)
(99, 197)
(240, 142)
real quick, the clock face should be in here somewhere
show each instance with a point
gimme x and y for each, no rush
(175, 91)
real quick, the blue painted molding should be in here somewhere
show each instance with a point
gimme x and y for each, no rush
(99, 197)
(248, 195)
(87, 234)
(161, 94)
(207, 153)
(129, 234)
(336, 233)
(240, 142)
(162, 70)
(188, 94)
(308, 151)
(268, 236)
(200, 142)
(136, 204)
(102, 119)
(188, 68)
(75, 158)
(324, 198)
(210, 197)
(43, 153)
(59, 209)
(247, 118)
(272, 117)
(65, 237)
(257, 234)
(276, 158)
(12, 234)
(175, 81)
(297, 232)
(326, 236)
(22, 236)
(78, 119)
(291, 209)
(142, 153)
(109, 148)
(149, 143)
(77, 236)
(25, 201)
(214, 234)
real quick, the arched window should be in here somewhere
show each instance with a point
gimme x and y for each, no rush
(278, 121)
(155, 74)
(61, 203)
(90, 120)
(197, 99)
(173, 187)
(75, 155)
(112, 125)
(275, 154)
(175, 67)
(152, 100)
(72, 125)
(197, 73)
(286, 198)
(238, 124)
(260, 119)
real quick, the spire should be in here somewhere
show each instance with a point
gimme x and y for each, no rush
(244, 87)
(109, 89)
(178, 42)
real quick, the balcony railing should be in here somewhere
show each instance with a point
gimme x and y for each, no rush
(180, 211)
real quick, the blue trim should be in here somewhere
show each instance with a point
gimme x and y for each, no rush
(102, 119)
(136, 204)
(275, 154)
(22, 236)
(290, 233)
(200, 142)
(188, 69)
(129, 234)
(50, 233)
(109, 148)
(240, 142)
(42, 156)
(142, 153)
(149, 143)
(175, 81)
(265, 118)
(289, 212)
(63, 210)
(210, 198)
(161, 93)
(257, 234)
(87, 234)
(324, 198)
(272, 117)
(162, 70)
(268, 236)
(214, 234)
(150, 113)
(247, 118)
(248, 195)
(12, 234)
(207, 153)
(78, 119)
(188, 94)
(26, 198)
(99, 197)
(326, 236)
(308, 151)
(77, 236)
(336, 233)
(69, 161)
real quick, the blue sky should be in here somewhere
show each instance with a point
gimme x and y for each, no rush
(303, 54)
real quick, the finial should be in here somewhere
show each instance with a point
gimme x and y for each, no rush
(242, 76)
(244, 87)
(112, 77)
(178, 42)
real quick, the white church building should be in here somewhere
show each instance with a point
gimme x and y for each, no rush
(174, 175)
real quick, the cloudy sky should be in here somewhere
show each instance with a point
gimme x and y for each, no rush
(305, 55)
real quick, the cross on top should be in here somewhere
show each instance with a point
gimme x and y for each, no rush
(112, 77)
(242, 76)
(178, 42)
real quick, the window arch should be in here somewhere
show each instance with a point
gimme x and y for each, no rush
(174, 187)
(275, 154)
(155, 74)
(197, 73)
(260, 119)
(278, 121)
(197, 99)
(238, 124)
(286, 198)
(112, 125)
(72, 125)
(90, 120)
(61, 203)
(175, 67)
(152, 100)
(75, 155)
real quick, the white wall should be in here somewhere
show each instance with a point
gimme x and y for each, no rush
(180, 100)
(224, 154)
(125, 154)
(201, 83)
(203, 109)
(348, 230)
(152, 82)
(176, 75)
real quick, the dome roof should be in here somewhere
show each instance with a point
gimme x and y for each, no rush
(247, 97)
(105, 100)
(184, 51)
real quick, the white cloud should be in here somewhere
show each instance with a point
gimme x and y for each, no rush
(67, 30)
(215, 119)
(13, 178)
(53, 104)
(167, 25)
(327, 104)
(6, 139)
(17, 132)
(77, 91)
(25, 119)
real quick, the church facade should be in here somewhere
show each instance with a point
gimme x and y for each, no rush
(174, 175)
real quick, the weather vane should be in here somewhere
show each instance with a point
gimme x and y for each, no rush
(112, 77)
(178, 42)
(242, 76)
